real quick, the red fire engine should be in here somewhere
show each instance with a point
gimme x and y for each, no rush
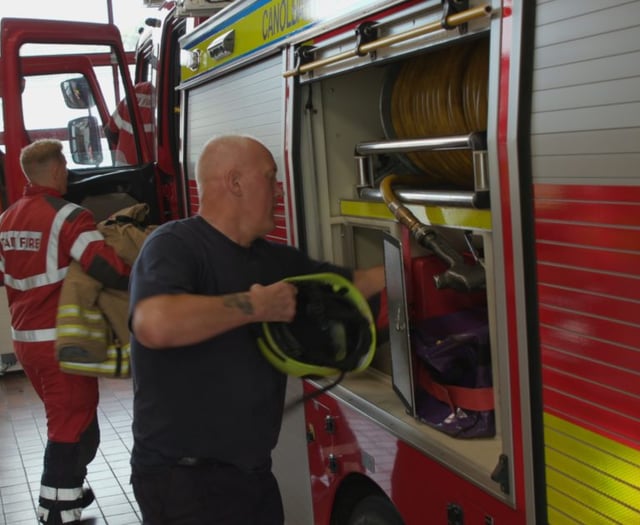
(487, 154)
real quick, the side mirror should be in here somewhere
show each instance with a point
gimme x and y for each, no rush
(76, 93)
(84, 141)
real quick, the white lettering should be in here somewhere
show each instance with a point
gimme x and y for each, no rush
(21, 241)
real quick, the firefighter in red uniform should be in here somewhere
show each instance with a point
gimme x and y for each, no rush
(39, 236)
(119, 128)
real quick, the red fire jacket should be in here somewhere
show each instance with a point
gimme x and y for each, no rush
(120, 125)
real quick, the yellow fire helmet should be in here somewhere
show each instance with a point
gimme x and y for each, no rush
(333, 331)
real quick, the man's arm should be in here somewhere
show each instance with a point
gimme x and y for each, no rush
(167, 321)
(370, 281)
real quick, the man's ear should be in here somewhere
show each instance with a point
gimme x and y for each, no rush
(61, 179)
(60, 173)
(233, 182)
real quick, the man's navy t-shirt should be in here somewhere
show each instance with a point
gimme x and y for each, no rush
(219, 399)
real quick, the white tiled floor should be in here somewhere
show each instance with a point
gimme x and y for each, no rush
(22, 438)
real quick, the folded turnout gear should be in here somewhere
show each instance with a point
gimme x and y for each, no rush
(92, 328)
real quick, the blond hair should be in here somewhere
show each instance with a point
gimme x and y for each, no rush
(36, 158)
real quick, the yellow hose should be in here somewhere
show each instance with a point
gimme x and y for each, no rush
(459, 275)
(439, 94)
(401, 212)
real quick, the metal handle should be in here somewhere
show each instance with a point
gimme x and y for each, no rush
(453, 20)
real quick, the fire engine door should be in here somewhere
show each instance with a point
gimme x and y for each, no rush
(65, 86)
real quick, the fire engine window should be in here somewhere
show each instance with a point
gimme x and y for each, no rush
(50, 110)
(85, 107)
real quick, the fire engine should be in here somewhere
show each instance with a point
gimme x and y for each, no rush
(487, 154)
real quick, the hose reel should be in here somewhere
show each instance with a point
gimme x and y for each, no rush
(439, 94)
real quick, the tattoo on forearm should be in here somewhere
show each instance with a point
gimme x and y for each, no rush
(240, 301)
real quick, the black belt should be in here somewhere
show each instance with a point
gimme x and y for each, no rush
(195, 462)
(189, 461)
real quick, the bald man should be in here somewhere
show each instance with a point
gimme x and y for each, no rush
(207, 405)
(40, 234)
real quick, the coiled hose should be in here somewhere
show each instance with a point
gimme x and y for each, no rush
(439, 94)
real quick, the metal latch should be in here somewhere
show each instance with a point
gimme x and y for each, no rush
(330, 425)
(500, 474)
(455, 516)
(303, 55)
(333, 463)
(450, 7)
(366, 32)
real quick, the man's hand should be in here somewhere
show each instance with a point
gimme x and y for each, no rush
(275, 302)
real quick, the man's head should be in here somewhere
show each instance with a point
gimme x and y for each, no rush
(237, 185)
(44, 164)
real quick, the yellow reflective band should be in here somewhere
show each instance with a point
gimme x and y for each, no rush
(68, 310)
(73, 310)
(79, 331)
(112, 351)
(116, 365)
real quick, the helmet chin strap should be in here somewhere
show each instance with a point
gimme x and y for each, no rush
(311, 395)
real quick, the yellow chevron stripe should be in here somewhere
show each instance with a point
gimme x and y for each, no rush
(565, 510)
(620, 461)
(590, 478)
(602, 482)
(587, 502)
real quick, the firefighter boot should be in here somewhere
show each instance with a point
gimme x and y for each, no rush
(62, 497)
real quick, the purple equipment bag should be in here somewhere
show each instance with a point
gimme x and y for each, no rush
(454, 386)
